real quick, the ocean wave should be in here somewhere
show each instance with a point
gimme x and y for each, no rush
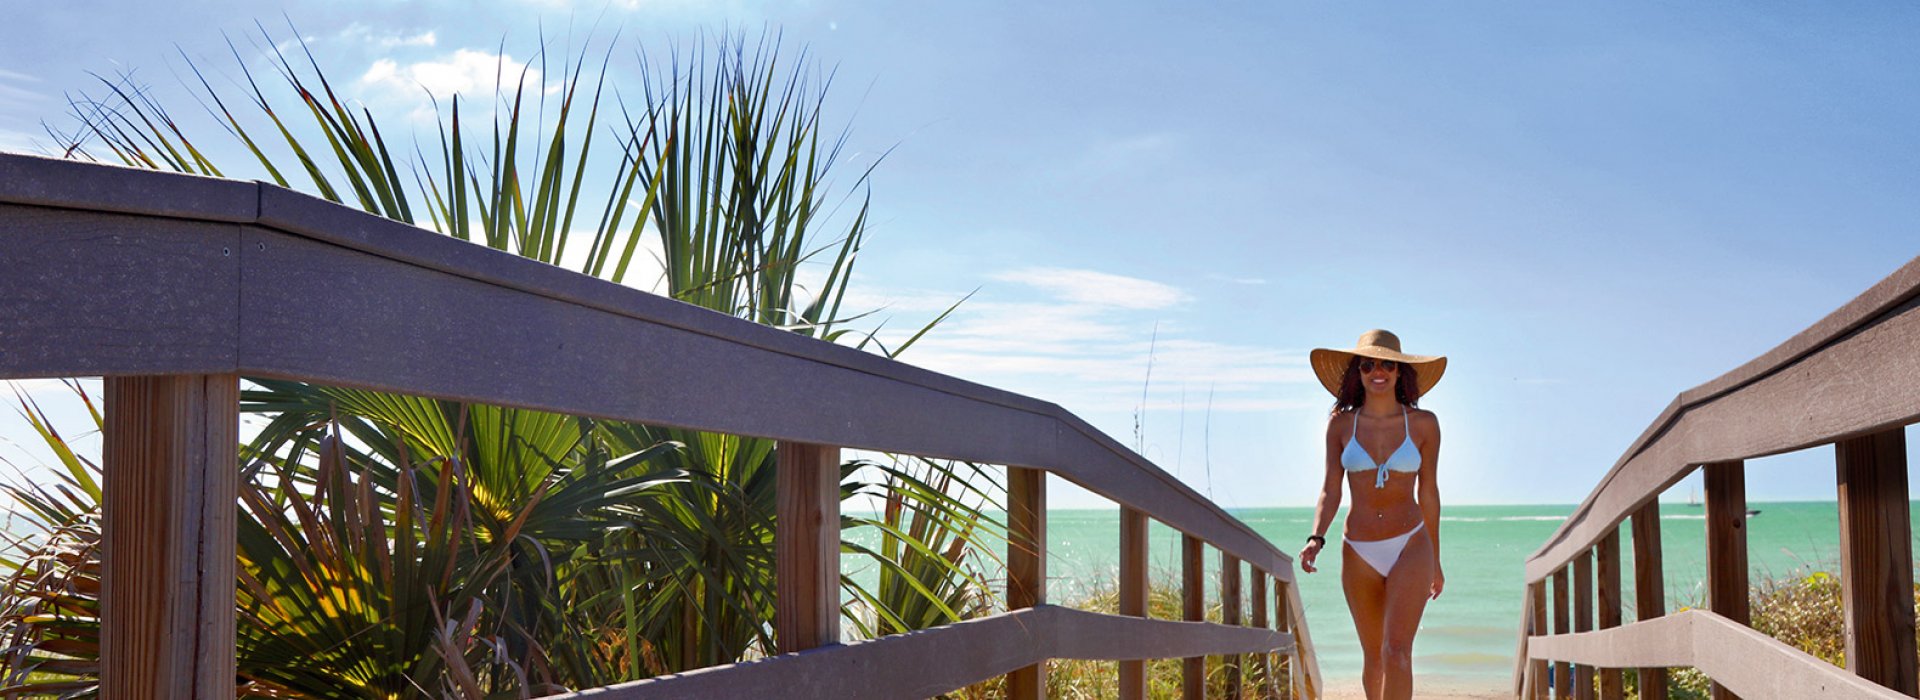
(1501, 519)
(1683, 517)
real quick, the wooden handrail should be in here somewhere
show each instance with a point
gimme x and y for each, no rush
(1747, 661)
(1847, 380)
(1762, 409)
(296, 263)
(896, 666)
(123, 272)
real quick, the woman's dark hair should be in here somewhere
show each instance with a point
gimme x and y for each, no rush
(1352, 394)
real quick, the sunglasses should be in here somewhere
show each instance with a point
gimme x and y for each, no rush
(1367, 365)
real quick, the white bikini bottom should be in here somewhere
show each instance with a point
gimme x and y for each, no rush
(1383, 554)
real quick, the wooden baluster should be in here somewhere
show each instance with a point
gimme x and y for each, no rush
(1026, 565)
(806, 540)
(167, 530)
(1263, 663)
(1649, 588)
(1726, 496)
(1520, 648)
(1230, 615)
(1283, 621)
(1133, 593)
(1612, 685)
(1193, 598)
(1562, 671)
(1583, 618)
(1537, 592)
(1876, 559)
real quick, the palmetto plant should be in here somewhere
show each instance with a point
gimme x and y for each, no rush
(51, 616)
(397, 546)
(930, 562)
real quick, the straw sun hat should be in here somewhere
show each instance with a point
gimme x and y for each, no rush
(1331, 365)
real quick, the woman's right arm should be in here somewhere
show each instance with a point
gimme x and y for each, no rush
(1329, 503)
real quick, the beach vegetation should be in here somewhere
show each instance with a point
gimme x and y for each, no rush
(400, 546)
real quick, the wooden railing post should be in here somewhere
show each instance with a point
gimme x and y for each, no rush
(1649, 588)
(1726, 503)
(1026, 565)
(169, 499)
(1193, 599)
(1283, 621)
(1612, 685)
(1583, 618)
(1263, 662)
(1230, 615)
(1133, 593)
(1562, 671)
(1876, 559)
(806, 537)
(1537, 592)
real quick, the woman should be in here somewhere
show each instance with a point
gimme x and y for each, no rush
(1387, 450)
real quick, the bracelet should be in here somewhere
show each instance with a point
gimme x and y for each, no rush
(1320, 539)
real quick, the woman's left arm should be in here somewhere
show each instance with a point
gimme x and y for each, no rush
(1426, 434)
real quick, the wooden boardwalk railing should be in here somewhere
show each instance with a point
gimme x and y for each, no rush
(173, 286)
(1852, 380)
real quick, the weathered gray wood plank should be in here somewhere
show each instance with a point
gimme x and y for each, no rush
(379, 304)
(806, 542)
(1026, 565)
(968, 652)
(1134, 591)
(1562, 624)
(1230, 607)
(1746, 661)
(1537, 595)
(1649, 587)
(1583, 619)
(1306, 670)
(1607, 572)
(69, 184)
(1876, 559)
(1193, 607)
(85, 294)
(1663, 642)
(169, 491)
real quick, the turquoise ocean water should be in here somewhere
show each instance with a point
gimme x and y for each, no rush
(1468, 635)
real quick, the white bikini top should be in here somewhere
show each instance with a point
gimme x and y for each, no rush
(1405, 458)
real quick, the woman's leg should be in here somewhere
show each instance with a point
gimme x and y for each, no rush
(1406, 595)
(1366, 599)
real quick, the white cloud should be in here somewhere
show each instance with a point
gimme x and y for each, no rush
(465, 72)
(387, 40)
(1097, 288)
(1086, 342)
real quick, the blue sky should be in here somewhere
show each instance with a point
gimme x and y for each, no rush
(1588, 208)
